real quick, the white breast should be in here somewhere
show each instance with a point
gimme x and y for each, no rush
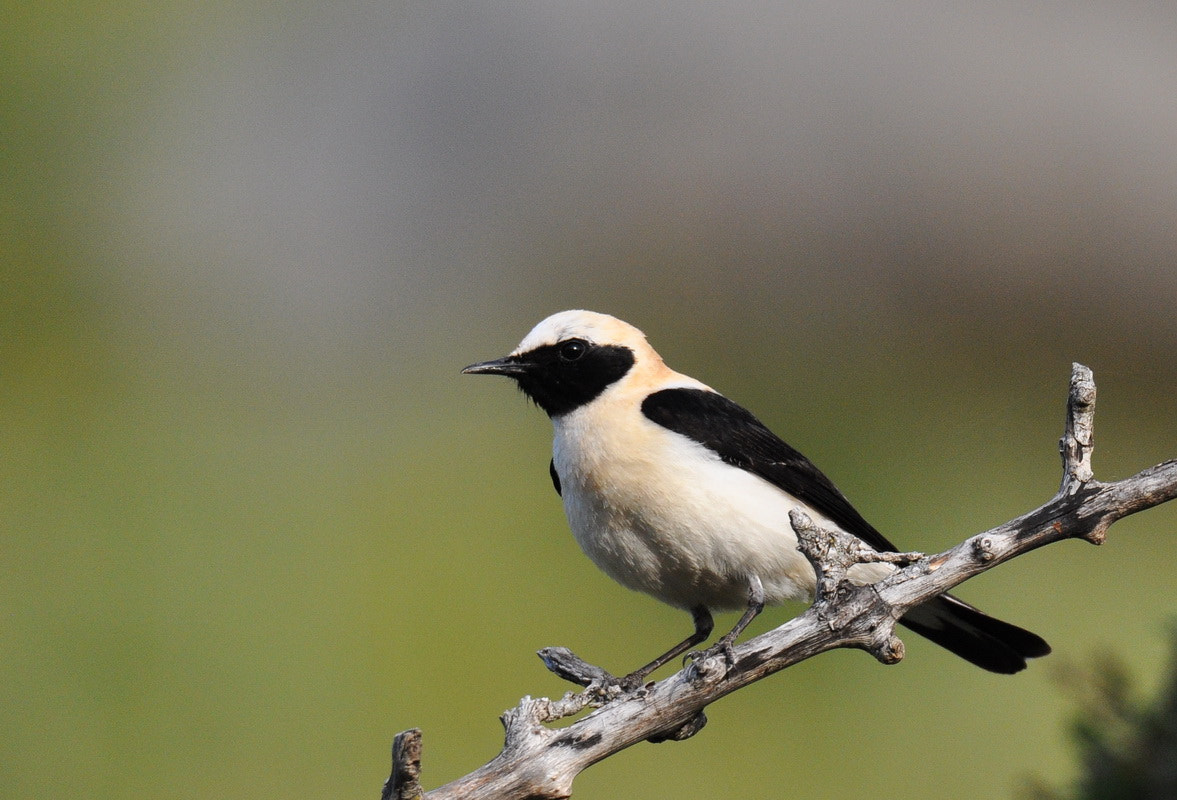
(662, 514)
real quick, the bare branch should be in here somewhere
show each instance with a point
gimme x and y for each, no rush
(540, 762)
(404, 783)
(1078, 440)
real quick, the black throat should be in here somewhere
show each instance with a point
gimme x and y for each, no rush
(559, 386)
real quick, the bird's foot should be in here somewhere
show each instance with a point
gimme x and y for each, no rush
(631, 682)
(723, 647)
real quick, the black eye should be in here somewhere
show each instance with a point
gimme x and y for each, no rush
(573, 349)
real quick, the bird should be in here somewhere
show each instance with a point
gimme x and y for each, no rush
(676, 491)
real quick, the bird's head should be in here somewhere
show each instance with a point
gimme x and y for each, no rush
(571, 358)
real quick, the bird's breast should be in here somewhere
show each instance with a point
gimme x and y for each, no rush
(661, 514)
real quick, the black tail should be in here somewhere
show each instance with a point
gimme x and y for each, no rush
(974, 636)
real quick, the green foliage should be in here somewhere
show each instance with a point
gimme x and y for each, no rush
(1127, 745)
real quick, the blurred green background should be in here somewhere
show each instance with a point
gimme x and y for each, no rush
(255, 523)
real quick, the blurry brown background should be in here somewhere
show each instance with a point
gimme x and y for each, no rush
(253, 520)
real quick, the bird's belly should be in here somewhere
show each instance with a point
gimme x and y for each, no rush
(690, 538)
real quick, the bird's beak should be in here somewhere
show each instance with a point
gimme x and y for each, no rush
(511, 366)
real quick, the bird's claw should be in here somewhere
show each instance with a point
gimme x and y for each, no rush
(631, 683)
(723, 647)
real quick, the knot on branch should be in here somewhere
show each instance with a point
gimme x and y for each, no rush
(887, 647)
(681, 733)
(983, 549)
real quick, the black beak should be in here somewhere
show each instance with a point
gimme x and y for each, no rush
(511, 366)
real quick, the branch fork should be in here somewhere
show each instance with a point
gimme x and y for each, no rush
(832, 553)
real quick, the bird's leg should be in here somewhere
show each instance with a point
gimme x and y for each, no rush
(703, 627)
(755, 606)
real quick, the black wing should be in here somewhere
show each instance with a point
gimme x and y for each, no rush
(743, 441)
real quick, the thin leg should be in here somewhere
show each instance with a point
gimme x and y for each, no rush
(755, 606)
(703, 627)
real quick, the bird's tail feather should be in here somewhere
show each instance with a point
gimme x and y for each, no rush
(975, 636)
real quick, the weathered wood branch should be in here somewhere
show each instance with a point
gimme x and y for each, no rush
(404, 783)
(540, 762)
